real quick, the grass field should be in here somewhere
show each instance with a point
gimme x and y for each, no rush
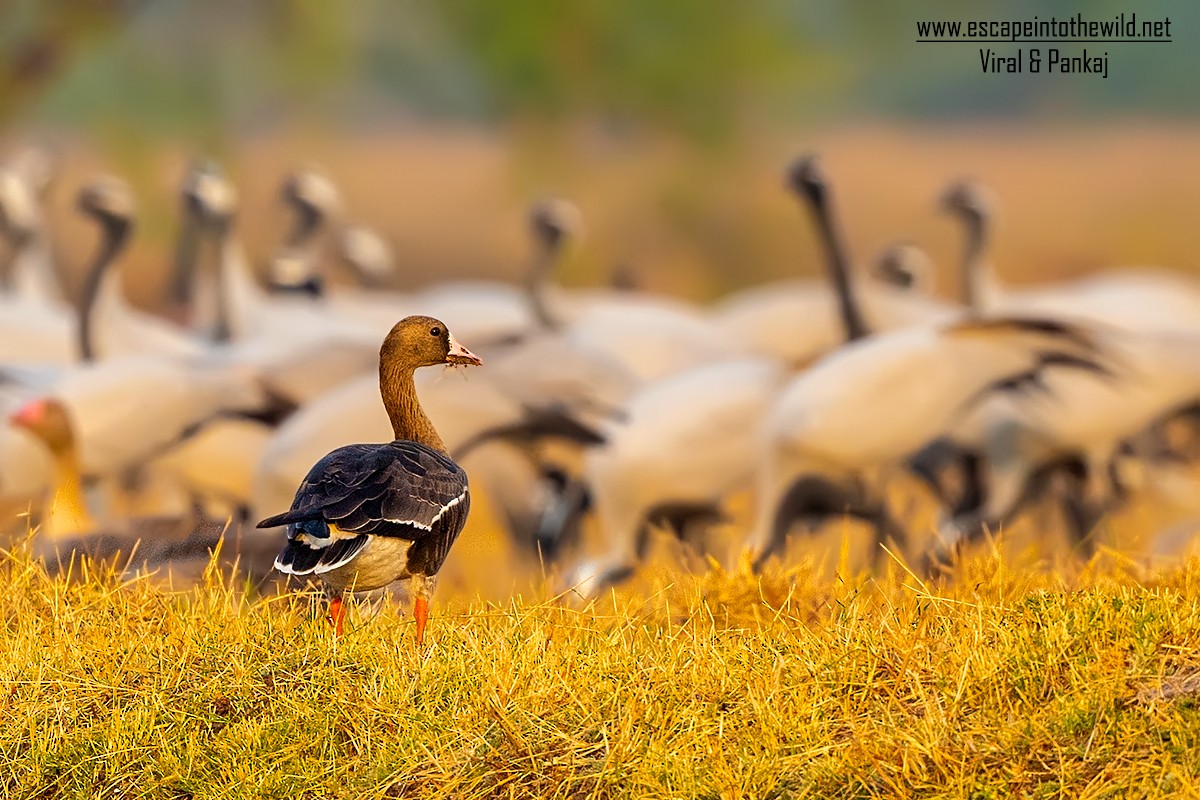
(999, 681)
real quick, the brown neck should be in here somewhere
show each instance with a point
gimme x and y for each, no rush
(404, 408)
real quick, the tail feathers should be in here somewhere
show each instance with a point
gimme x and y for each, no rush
(299, 558)
(286, 518)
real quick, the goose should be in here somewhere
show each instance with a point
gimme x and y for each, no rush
(66, 526)
(467, 415)
(108, 325)
(839, 429)
(367, 515)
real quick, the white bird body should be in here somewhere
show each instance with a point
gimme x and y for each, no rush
(119, 329)
(218, 462)
(653, 339)
(867, 407)
(32, 334)
(799, 320)
(1081, 414)
(690, 438)
(125, 410)
(1137, 299)
(35, 324)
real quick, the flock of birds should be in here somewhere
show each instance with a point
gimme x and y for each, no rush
(601, 407)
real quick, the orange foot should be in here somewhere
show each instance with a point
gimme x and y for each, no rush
(337, 615)
(421, 615)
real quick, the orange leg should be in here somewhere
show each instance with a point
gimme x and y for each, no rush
(421, 615)
(337, 615)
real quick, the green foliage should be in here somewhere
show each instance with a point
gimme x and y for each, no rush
(683, 64)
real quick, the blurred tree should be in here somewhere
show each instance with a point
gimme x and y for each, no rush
(687, 65)
(38, 40)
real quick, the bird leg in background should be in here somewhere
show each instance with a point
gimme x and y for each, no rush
(337, 615)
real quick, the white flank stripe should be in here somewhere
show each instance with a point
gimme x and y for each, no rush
(436, 516)
(450, 505)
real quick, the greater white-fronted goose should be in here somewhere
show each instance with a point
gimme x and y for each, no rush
(65, 525)
(370, 514)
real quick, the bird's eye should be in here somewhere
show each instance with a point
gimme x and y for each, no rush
(435, 331)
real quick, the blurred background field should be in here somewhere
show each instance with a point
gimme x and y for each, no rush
(668, 125)
(1028, 669)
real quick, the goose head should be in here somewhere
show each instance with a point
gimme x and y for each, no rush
(48, 421)
(419, 341)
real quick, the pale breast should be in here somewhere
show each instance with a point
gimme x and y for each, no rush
(383, 560)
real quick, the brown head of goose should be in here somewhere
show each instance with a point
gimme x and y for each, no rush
(370, 514)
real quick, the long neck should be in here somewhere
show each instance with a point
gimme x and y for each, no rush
(238, 297)
(839, 271)
(538, 288)
(183, 273)
(31, 269)
(399, 394)
(975, 277)
(102, 284)
(66, 512)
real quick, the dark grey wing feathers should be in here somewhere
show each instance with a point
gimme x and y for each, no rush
(401, 489)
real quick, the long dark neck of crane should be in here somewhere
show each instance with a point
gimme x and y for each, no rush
(308, 222)
(972, 262)
(222, 331)
(839, 268)
(399, 393)
(537, 283)
(114, 235)
(183, 273)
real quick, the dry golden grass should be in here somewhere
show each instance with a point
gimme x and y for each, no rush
(1001, 681)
